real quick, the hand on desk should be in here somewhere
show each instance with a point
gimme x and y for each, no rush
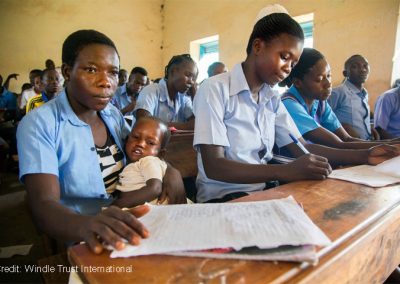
(112, 225)
(308, 166)
(381, 153)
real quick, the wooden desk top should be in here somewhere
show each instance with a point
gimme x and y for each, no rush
(363, 224)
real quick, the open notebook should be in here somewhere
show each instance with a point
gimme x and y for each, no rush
(384, 174)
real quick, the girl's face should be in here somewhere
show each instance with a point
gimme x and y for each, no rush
(93, 79)
(144, 140)
(276, 58)
(183, 76)
(316, 84)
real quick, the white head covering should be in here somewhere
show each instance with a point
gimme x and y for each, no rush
(270, 9)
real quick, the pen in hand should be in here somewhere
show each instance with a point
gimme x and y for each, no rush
(299, 144)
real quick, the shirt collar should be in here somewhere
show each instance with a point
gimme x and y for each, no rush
(293, 90)
(67, 112)
(354, 89)
(164, 96)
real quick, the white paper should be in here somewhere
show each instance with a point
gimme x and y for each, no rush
(265, 224)
(383, 174)
(7, 252)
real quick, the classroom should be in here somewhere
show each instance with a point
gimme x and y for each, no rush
(204, 154)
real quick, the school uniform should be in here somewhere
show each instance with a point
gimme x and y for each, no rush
(387, 112)
(227, 115)
(121, 99)
(8, 100)
(154, 98)
(319, 115)
(351, 107)
(53, 140)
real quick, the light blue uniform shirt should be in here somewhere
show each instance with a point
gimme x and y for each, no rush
(121, 99)
(351, 107)
(227, 115)
(387, 112)
(320, 113)
(53, 140)
(154, 98)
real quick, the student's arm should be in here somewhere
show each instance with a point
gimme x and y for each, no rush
(129, 108)
(217, 167)
(383, 133)
(111, 225)
(350, 130)
(7, 81)
(172, 187)
(147, 193)
(189, 125)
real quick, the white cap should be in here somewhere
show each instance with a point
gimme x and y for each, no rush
(271, 9)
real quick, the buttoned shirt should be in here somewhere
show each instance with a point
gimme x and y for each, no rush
(387, 112)
(154, 98)
(228, 116)
(319, 115)
(53, 140)
(351, 107)
(121, 99)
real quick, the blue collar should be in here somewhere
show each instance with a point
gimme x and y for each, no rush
(293, 90)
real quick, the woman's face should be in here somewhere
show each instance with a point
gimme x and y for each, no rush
(93, 79)
(316, 83)
(276, 58)
(183, 76)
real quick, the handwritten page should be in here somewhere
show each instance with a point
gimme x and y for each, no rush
(265, 224)
(384, 174)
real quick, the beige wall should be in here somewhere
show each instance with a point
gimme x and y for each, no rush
(341, 28)
(33, 30)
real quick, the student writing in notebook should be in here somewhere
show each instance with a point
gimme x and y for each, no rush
(239, 117)
(306, 100)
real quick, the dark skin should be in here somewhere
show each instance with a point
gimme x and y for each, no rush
(91, 81)
(181, 77)
(270, 63)
(135, 84)
(316, 85)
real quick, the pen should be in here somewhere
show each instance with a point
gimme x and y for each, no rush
(299, 144)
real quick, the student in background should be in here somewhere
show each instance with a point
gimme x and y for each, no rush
(34, 79)
(6, 84)
(168, 100)
(349, 101)
(310, 87)
(8, 102)
(77, 148)
(216, 68)
(50, 81)
(122, 77)
(125, 97)
(387, 113)
(239, 117)
(50, 64)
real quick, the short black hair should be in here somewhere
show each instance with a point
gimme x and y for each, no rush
(35, 73)
(211, 68)
(139, 70)
(273, 25)
(350, 60)
(177, 59)
(163, 126)
(308, 59)
(76, 41)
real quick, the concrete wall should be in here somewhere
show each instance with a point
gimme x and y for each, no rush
(149, 32)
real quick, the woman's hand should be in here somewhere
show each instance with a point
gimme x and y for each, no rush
(381, 153)
(173, 189)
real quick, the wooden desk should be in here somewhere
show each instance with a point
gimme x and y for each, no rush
(181, 155)
(363, 224)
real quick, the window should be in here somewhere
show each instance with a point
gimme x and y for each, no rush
(205, 52)
(307, 24)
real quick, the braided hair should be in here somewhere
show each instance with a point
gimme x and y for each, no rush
(271, 26)
(176, 60)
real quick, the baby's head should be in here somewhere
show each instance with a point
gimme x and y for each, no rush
(149, 137)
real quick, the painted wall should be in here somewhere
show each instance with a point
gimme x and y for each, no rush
(33, 30)
(341, 28)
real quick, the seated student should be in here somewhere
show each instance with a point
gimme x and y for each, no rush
(50, 81)
(387, 114)
(34, 79)
(349, 101)
(216, 68)
(122, 77)
(310, 86)
(75, 151)
(8, 102)
(125, 97)
(141, 180)
(239, 117)
(167, 100)
(6, 83)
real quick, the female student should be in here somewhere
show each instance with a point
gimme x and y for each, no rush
(239, 118)
(168, 100)
(75, 151)
(306, 101)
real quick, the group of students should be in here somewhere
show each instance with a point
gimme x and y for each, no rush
(76, 150)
